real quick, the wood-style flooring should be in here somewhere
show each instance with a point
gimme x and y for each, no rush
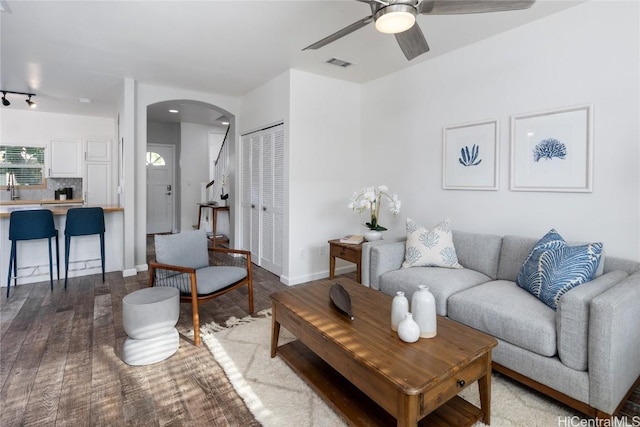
(60, 359)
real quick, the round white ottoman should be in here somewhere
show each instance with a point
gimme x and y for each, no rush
(149, 317)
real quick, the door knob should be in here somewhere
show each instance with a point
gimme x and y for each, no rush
(264, 208)
(167, 194)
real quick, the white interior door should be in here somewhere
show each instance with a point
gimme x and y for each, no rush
(160, 188)
(272, 206)
(263, 197)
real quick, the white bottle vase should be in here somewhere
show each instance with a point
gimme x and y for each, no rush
(399, 308)
(423, 307)
(408, 329)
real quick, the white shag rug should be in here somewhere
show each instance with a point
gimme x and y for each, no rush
(277, 397)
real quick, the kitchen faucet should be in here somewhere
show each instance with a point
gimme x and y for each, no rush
(11, 186)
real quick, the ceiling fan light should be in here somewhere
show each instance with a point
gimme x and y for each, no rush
(30, 103)
(395, 18)
(5, 101)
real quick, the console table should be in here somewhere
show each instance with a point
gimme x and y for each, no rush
(216, 239)
(347, 252)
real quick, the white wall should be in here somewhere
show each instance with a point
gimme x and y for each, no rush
(194, 170)
(38, 128)
(588, 54)
(146, 94)
(324, 170)
(322, 150)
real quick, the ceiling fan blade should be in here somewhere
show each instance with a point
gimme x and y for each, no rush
(339, 34)
(453, 7)
(412, 42)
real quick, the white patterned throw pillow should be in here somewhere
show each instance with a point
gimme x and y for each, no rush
(430, 248)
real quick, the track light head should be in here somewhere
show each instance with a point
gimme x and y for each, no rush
(29, 102)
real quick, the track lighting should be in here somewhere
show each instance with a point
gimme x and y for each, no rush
(29, 102)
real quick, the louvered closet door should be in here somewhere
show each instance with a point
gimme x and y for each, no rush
(251, 147)
(263, 197)
(272, 192)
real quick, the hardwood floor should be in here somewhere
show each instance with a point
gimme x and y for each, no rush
(60, 359)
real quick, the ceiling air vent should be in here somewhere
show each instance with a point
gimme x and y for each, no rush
(339, 62)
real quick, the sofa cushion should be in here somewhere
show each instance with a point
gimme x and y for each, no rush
(442, 282)
(506, 311)
(553, 267)
(430, 248)
(480, 252)
(572, 319)
(515, 250)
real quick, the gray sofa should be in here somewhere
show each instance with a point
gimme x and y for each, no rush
(586, 354)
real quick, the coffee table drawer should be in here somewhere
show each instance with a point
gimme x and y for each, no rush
(453, 385)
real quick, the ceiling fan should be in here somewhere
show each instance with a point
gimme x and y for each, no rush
(398, 17)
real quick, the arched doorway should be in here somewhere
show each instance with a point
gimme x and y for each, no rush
(194, 131)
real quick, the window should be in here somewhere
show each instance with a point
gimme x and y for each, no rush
(26, 164)
(154, 159)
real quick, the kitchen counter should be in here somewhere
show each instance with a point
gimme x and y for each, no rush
(57, 207)
(39, 202)
(33, 255)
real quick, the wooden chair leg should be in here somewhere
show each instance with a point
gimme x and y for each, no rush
(250, 284)
(194, 309)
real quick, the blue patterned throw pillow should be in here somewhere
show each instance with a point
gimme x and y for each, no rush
(553, 267)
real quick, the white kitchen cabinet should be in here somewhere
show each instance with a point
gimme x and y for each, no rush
(97, 183)
(65, 159)
(98, 150)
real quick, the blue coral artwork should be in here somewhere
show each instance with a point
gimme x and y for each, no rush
(549, 149)
(470, 158)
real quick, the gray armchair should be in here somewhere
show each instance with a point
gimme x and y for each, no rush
(182, 261)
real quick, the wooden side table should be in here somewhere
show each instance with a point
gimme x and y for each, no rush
(347, 252)
(217, 241)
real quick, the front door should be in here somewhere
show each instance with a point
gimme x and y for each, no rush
(160, 188)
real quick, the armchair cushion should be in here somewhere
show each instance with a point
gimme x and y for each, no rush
(187, 249)
(212, 279)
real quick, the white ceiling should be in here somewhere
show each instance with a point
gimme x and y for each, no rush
(65, 50)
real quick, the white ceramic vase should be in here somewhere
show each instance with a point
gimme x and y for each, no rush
(408, 329)
(399, 309)
(371, 235)
(423, 307)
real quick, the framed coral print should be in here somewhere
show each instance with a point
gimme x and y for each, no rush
(552, 150)
(470, 156)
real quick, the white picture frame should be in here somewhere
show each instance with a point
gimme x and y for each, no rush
(470, 156)
(553, 150)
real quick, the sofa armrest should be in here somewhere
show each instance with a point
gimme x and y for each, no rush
(572, 319)
(614, 344)
(384, 258)
(366, 258)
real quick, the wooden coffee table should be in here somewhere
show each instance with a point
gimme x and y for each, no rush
(367, 374)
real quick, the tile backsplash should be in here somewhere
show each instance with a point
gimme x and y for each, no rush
(53, 184)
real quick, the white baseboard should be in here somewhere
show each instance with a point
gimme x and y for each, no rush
(292, 281)
(129, 272)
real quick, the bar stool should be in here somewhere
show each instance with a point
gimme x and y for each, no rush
(31, 225)
(83, 222)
